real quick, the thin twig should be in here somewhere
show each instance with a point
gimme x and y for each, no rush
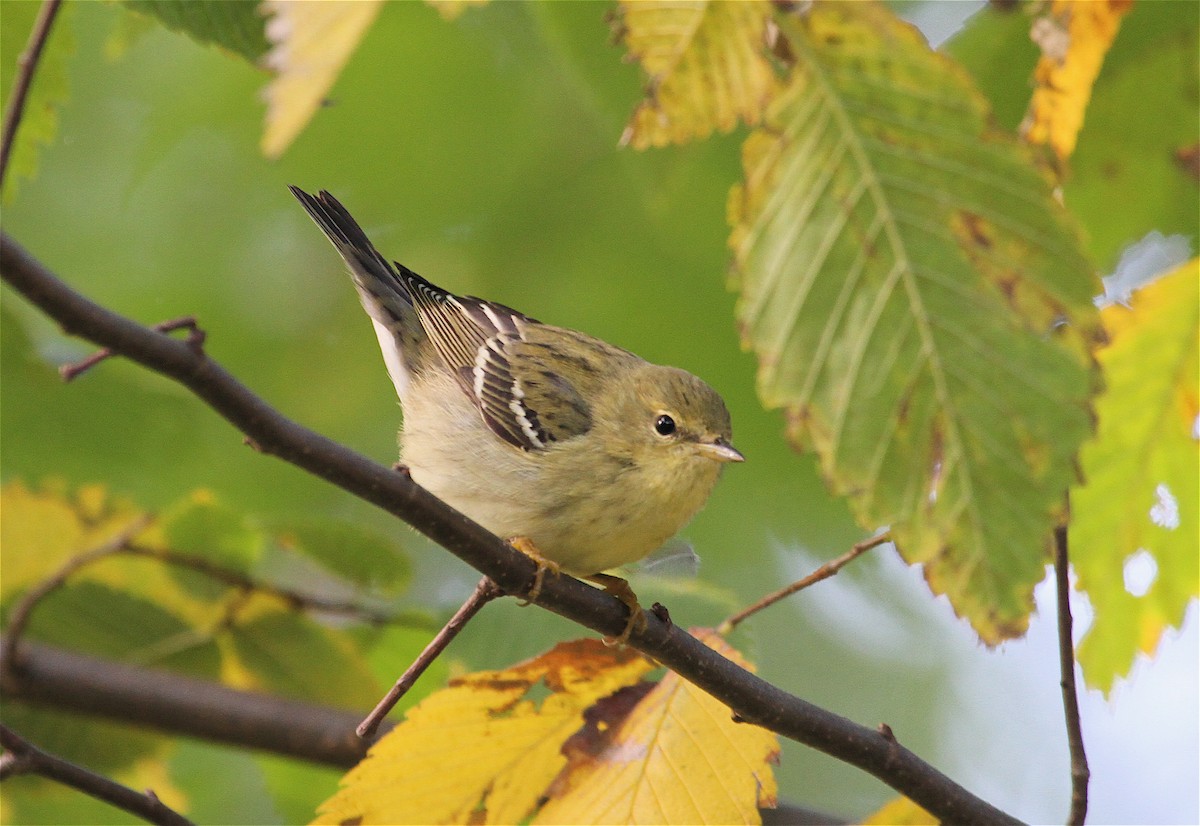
(484, 592)
(25, 758)
(1080, 774)
(227, 576)
(748, 695)
(195, 338)
(24, 609)
(26, 67)
(824, 572)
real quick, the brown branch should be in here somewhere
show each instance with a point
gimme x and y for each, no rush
(749, 696)
(484, 592)
(22, 757)
(1080, 774)
(26, 67)
(824, 572)
(24, 609)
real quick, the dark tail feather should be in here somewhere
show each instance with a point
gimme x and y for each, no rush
(345, 233)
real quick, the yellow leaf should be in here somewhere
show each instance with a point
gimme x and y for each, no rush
(901, 812)
(1074, 39)
(311, 42)
(677, 757)
(706, 64)
(1139, 503)
(484, 748)
(41, 530)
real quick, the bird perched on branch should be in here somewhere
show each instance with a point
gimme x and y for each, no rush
(585, 456)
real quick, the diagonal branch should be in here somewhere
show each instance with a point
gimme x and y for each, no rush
(26, 66)
(22, 757)
(1080, 774)
(751, 698)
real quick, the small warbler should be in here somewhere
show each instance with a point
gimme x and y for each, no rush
(583, 455)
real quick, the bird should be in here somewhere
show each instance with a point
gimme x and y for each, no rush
(581, 454)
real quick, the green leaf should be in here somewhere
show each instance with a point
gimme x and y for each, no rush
(49, 90)
(902, 264)
(286, 653)
(1141, 490)
(204, 527)
(361, 556)
(238, 26)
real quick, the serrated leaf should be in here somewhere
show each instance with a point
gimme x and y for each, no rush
(287, 653)
(484, 748)
(310, 43)
(707, 66)
(1141, 493)
(676, 756)
(361, 556)
(47, 94)
(902, 265)
(203, 526)
(1074, 37)
(238, 27)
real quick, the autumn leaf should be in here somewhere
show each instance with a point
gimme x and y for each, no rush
(901, 812)
(486, 747)
(1140, 493)
(311, 42)
(904, 271)
(674, 755)
(707, 67)
(1074, 37)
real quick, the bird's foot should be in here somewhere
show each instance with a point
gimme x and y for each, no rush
(525, 545)
(620, 589)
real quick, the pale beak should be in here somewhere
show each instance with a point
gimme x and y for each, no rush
(720, 450)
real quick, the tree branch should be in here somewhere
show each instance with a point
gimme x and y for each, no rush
(22, 757)
(750, 697)
(1080, 774)
(26, 66)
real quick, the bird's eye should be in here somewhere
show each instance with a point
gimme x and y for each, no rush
(664, 425)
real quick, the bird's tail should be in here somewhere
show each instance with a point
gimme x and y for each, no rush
(383, 294)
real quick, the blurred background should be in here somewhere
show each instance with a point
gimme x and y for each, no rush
(483, 154)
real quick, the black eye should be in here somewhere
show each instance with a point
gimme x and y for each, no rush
(664, 425)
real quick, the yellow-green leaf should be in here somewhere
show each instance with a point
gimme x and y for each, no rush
(1074, 37)
(1140, 493)
(676, 757)
(483, 749)
(903, 269)
(311, 42)
(237, 27)
(706, 63)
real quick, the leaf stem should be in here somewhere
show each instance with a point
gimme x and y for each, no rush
(1080, 774)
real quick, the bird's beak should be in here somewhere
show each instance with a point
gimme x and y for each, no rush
(720, 450)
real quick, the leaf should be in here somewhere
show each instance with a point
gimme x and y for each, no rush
(359, 555)
(901, 266)
(48, 92)
(1074, 38)
(484, 748)
(237, 27)
(706, 64)
(287, 653)
(203, 526)
(1140, 492)
(43, 529)
(310, 43)
(676, 757)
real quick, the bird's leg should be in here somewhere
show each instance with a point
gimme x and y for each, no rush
(525, 545)
(620, 589)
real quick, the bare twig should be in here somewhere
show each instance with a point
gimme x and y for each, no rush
(484, 592)
(24, 609)
(1080, 774)
(824, 572)
(236, 579)
(195, 338)
(753, 698)
(26, 67)
(25, 758)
